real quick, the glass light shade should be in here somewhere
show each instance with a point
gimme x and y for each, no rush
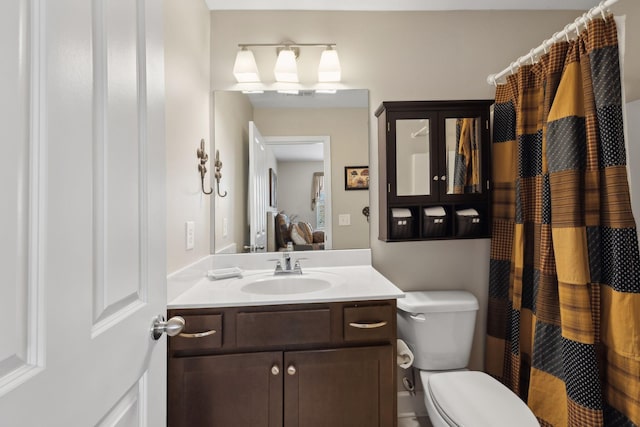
(286, 69)
(329, 68)
(245, 68)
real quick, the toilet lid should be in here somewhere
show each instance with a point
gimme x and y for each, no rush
(473, 398)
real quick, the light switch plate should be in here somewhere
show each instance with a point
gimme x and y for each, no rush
(189, 234)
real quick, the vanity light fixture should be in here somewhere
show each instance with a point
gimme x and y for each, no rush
(329, 68)
(245, 68)
(286, 69)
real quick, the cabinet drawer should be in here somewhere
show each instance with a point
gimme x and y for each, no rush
(197, 333)
(283, 327)
(369, 323)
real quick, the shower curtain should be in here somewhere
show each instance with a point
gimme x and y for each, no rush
(563, 327)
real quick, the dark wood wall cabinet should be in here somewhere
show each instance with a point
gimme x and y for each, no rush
(434, 169)
(302, 365)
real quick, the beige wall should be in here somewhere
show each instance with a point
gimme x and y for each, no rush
(187, 40)
(294, 189)
(232, 113)
(411, 56)
(349, 132)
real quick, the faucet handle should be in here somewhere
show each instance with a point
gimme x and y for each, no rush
(296, 267)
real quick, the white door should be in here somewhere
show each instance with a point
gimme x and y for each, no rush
(258, 190)
(82, 243)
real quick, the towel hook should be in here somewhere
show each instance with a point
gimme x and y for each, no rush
(203, 157)
(217, 174)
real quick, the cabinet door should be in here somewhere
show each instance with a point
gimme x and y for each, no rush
(352, 387)
(464, 154)
(239, 390)
(413, 156)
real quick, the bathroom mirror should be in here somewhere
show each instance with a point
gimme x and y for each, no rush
(341, 118)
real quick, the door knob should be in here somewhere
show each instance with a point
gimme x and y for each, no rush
(172, 326)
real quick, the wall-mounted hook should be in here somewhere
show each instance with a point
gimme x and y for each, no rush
(365, 212)
(203, 156)
(218, 175)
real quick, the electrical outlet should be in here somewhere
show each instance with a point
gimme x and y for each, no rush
(344, 219)
(190, 235)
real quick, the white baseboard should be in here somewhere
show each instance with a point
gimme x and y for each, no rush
(411, 405)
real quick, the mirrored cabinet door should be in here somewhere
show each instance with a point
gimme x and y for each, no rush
(413, 168)
(463, 155)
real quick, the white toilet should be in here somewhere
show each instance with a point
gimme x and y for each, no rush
(438, 328)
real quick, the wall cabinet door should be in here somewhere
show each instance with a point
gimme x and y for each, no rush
(349, 387)
(239, 390)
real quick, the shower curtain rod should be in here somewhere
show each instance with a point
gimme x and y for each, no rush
(492, 79)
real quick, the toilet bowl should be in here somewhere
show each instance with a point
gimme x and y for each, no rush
(438, 328)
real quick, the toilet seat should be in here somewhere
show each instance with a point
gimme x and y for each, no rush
(473, 398)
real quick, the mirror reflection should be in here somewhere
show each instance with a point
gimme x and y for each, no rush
(462, 156)
(307, 141)
(464, 170)
(412, 157)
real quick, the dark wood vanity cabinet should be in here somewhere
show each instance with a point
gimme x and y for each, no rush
(292, 365)
(434, 169)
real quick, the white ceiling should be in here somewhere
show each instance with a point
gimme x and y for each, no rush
(298, 152)
(373, 5)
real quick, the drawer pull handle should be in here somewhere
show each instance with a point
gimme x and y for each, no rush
(368, 325)
(198, 334)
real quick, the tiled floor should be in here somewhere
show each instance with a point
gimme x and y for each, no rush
(414, 422)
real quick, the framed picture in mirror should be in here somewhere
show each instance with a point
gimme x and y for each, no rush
(356, 177)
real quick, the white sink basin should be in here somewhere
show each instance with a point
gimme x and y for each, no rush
(291, 284)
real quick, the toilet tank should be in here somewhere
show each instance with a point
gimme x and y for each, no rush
(438, 327)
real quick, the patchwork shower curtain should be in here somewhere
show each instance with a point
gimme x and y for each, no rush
(564, 304)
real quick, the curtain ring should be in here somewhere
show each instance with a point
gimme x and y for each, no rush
(532, 55)
(577, 24)
(512, 66)
(566, 32)
(602, 8)
(544, 46)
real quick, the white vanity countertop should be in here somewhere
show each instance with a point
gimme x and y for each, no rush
(356, 283)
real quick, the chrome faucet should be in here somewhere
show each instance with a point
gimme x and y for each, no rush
(284, 266)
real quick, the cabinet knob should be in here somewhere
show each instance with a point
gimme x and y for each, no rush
(435, 178)
(443, 178)
(275, 370)
(291, 370)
